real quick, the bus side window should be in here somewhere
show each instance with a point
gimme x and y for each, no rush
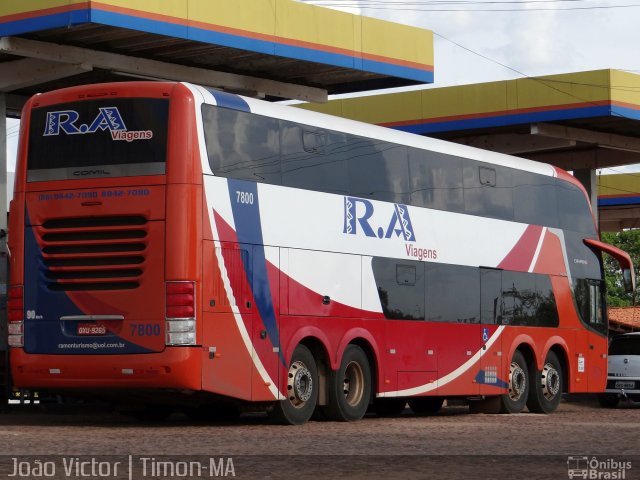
(453, 293)
(400, 287)
(242, 145)
(534, 199)
(573, 208)
(487, 190)
(490, 296)
(596, 313)
(436, 180)
(589, 298)
(313, 158)
(378, 170)
(406, 274)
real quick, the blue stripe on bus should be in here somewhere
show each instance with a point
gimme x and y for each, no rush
(246, 216)
(229, 100)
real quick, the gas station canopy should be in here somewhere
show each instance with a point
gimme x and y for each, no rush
(266, 48)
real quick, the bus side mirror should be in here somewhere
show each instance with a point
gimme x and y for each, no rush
(627, 280)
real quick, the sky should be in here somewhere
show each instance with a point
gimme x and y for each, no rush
(513, 39)
(477, 41)
(12, 143)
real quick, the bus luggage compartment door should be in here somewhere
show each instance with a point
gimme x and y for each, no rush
(240, 292)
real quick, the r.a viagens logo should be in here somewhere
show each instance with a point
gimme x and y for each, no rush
(108, 118)
(362, 218)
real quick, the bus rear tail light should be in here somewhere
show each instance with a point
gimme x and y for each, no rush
(180, 313)
(15, 315)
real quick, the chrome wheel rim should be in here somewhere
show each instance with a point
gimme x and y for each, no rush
(299, 384)
(517, 382)
(550, 381)
(353, 384)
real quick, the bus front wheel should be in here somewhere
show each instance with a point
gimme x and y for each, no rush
(546, 388)
(515, 400)
(302, 389)
(349, 387)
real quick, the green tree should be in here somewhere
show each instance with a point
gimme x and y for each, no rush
(629, 241)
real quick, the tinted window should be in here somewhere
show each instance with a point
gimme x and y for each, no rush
(378, 170)
(534, 199)
(487, 190)
(98, 138)
(241, 145)
(518, 304)
(453, 293)
(547, 309)
(583, 262)
(589, 295)
(436, 180)
(400, 287)
(491, 290)
(517, 298)
(527, 299)
(573, 209)
(314, 159)
(406, 274)
(625, 345)
(251, 147)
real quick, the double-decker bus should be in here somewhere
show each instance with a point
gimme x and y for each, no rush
(180, 246)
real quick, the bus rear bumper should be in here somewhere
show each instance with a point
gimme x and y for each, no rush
(174, 368)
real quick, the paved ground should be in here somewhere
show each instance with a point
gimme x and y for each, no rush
(452, 444)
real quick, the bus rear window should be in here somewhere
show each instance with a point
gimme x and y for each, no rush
(98, 138)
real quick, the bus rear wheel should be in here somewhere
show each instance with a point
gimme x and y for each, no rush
(302, 390)
(546, 388)
(349, 387)
(515, 400)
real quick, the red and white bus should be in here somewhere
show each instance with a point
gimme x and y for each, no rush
(176, 245)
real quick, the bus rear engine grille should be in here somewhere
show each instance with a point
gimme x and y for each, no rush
(93, 253)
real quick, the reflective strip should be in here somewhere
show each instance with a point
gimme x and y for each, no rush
(91, 317)
(99, 171)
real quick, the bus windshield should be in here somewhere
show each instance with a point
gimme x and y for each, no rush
(98, 138)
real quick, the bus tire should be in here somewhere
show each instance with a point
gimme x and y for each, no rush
(349, 387)
(426, 405)
(546, 386)
(302, 390)
(516, 399)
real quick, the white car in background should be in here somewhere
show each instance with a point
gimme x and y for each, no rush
(623, 379)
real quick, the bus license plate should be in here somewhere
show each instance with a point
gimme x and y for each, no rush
(627, 385)
(91, 329)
